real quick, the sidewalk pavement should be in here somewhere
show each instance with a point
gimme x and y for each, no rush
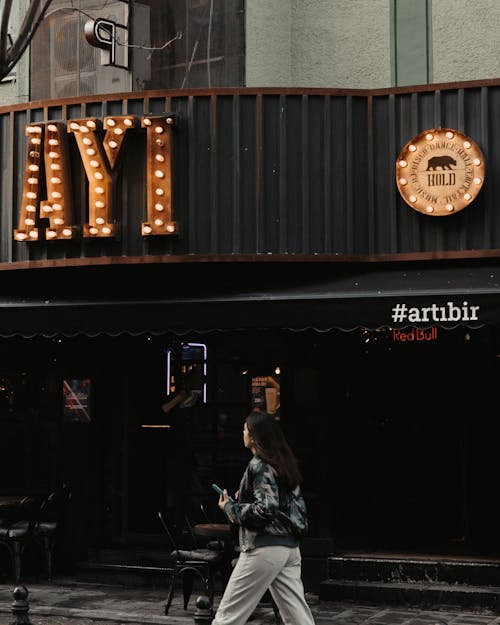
(68, 602)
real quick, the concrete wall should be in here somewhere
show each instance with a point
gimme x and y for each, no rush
(349, 43)
(318, 43)
(268, 43)
(465, 40)
(341, 43)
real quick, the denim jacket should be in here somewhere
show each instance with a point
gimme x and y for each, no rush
(257, 510)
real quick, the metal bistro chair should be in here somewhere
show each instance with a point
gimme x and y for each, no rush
(50, 517)
(17, 532)
(188, 563)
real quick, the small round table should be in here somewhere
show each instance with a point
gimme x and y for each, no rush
(213, 530)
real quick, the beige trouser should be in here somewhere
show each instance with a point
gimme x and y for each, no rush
(277, 568)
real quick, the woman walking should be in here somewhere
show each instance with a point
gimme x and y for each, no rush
(271, 515)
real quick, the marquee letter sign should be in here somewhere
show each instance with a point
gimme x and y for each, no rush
(100, 159)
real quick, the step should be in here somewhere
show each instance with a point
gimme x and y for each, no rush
(407, 569)
(140, 557)
(416, 594)
(124, 574)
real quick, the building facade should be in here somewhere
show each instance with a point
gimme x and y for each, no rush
(326, 244)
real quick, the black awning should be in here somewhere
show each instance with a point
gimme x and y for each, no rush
(211, 296)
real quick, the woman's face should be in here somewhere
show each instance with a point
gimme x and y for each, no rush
(247, 439)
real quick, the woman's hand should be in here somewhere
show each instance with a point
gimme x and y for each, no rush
(223, 499)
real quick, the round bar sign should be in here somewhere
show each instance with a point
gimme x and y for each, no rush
(440, 171)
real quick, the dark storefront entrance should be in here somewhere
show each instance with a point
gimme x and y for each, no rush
(397, 440)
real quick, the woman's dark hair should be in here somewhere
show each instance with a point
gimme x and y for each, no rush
(272, 446)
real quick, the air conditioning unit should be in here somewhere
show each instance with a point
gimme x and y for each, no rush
(75, 67)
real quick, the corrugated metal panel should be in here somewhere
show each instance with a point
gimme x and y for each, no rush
(292, 172)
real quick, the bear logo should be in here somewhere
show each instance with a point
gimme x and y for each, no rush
(444, 162)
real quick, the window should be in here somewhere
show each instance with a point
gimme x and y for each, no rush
(64, 64)
(160, 44)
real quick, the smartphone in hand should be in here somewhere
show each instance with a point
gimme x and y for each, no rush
(220, 491)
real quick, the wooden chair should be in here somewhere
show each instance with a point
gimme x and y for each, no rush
(191, 563)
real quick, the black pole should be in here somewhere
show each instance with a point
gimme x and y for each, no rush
(20, 607)
(204, 613)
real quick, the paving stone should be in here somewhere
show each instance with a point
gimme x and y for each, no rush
(67, 602)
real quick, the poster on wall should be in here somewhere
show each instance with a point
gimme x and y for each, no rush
(266, 393)
(76, 398)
